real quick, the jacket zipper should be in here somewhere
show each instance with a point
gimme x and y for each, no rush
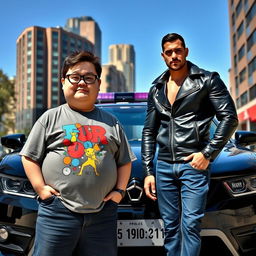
(196, 129)
(172, 137)
(171, 130)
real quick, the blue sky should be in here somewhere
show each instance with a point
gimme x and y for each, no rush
(203, 23)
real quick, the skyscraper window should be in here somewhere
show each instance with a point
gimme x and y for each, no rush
(241, 52)
(251, 14)
(251, 40)
(239, 8)
(240, 30)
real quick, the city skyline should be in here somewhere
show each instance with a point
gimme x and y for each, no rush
(204, 25)
(122, 56)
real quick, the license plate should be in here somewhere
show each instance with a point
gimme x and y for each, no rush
(144, 232)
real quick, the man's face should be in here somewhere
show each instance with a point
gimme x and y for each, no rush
(174, 55)
(81, 95)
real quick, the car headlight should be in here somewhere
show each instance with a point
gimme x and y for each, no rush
(253, 182)
(237, 186)
(11, 185)
(4, 234)
(16, 186)
(241, 186)
(27, 188)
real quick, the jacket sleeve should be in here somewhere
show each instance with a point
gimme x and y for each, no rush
(225, 111)
(149, 134)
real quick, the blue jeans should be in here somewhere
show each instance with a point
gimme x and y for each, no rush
(182, 193)
(61, 232)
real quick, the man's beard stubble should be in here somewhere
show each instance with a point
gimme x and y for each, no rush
(178, 68)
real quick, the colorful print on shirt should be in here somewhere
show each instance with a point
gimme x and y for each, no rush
(83, 148)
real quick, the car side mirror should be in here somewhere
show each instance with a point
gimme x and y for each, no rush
(13, 141)
(245, 138)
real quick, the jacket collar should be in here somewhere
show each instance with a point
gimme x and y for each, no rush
(193, 72)
(189, 84)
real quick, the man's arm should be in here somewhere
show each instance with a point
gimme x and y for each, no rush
(34, 174)
(149, 133)
(148, 148)
(123, 175)
(226, 114)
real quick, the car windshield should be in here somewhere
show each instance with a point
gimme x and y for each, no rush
(132, 119)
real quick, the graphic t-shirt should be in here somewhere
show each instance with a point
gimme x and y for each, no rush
(79, 153)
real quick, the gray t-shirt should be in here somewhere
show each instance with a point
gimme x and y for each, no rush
(79, 153)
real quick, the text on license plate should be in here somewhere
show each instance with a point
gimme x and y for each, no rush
(143, 232)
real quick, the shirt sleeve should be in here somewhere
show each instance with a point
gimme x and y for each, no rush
(34, 147)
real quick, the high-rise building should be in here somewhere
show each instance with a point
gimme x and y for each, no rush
(112, 80)
(123, 57)
(40, 54)
(87, 27)
(242, 75)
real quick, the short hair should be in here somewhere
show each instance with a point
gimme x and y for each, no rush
(80, 56)
(172, 37)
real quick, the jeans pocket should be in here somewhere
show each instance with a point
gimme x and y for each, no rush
(46, 201)
(113, 202)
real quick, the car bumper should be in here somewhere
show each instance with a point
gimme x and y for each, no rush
(235, 229)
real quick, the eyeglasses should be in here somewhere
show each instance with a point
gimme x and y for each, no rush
(88, 79)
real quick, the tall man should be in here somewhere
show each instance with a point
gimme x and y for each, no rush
(78, 160)
(181, 105)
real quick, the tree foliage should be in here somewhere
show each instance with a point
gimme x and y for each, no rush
(7, 93)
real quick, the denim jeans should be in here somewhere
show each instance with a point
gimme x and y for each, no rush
(61, 232)
(182, 193)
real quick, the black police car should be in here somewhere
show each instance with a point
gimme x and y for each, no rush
(229, 225)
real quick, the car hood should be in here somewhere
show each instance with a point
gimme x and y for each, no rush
(231, 160)
(11, 165)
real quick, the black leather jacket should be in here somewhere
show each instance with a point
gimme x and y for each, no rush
(183, 128)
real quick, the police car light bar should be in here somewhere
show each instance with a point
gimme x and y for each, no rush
(107, 97)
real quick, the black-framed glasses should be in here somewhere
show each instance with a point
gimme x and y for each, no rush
(88, 79)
